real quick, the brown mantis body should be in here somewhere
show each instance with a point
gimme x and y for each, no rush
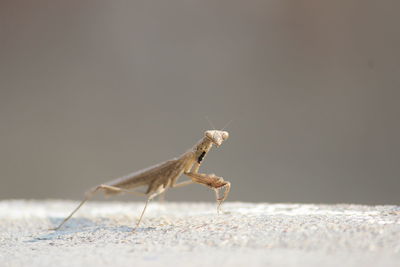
(160, 177)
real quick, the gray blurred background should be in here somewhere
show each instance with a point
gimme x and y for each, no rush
(92, 90)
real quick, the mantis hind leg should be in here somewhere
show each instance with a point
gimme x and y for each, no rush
(89, 194)
(72, 213)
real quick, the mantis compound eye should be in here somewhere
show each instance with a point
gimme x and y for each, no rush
(209, 134)
(225, 135)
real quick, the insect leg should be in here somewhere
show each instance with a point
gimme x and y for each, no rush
(185, 183)
(89, 194)
(160, 190)
(212, 181)
(227, 188)
(72, 213)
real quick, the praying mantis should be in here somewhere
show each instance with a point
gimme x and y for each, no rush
(160, 177)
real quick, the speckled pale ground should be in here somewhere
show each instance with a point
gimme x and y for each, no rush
(192, 234)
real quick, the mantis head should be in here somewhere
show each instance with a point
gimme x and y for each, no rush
(216, 136)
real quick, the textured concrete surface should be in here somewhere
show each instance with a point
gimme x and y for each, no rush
(192, 234)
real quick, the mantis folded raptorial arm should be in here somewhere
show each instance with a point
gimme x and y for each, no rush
(160, 177)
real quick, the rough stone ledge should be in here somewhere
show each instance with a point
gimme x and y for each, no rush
(192, 234)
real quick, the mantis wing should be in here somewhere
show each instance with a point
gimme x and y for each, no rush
(153, 176)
